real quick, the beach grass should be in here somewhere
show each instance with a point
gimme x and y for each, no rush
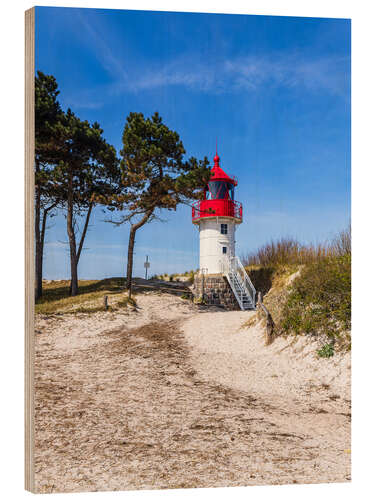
(90, 299)
(307, 288)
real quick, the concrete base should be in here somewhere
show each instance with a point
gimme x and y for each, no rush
(215, 290)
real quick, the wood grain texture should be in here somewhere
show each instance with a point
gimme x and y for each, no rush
(29, 246)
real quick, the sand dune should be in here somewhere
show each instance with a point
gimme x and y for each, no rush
(172, 395)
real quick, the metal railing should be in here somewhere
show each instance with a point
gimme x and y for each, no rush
(237, 266)
(216, 208)
(239, 281)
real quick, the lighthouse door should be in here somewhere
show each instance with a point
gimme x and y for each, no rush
(224, 255)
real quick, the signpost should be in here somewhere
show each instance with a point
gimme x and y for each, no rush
(146, 265)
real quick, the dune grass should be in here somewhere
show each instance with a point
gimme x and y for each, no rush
(56, 298)
(289, 251)
(318, 300)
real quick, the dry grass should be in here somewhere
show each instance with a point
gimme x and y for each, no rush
(318, 301)
(288, 251)
(313, 299)
(56, 298)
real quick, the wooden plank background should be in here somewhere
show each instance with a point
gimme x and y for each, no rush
(29, 246)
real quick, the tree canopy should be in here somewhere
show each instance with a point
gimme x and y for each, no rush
(155, 174)
(154, 171)
(48, 113)
(75, 169)
(87, 173)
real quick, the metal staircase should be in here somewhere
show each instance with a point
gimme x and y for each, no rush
(240, 283)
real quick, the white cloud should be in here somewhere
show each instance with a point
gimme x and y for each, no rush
(81, 103)
(104, 52)
(198, 73)
(249, 74)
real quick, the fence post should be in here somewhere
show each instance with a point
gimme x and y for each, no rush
(270, 325)
(105, 302)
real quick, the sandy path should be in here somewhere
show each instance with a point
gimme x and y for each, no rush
(128, 401)
(306, 395)
(227, 352)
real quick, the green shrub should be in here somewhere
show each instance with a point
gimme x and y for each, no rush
(320, 299)
(200, 301)
(327, 351)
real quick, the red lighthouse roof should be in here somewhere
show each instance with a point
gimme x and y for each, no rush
(218, 173)
(218, 197)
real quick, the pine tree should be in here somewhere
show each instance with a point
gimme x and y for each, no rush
(47, 116)
(155, 175)
(87, 174)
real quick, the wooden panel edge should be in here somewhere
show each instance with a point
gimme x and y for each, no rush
(29, 247)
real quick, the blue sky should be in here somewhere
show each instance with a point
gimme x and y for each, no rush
(274, 90)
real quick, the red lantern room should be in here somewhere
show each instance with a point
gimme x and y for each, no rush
(219, 197)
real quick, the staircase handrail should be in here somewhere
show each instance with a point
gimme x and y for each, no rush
(245, 277)
(225, 269)
(237, 277)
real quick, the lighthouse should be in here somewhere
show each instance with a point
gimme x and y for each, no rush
(222, 279)
(217, 216)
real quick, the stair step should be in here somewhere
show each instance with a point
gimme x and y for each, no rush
(239, 287)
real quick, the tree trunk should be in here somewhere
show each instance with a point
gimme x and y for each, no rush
(84, 231)
(40, 233)
(38, 270)
(133, 230)
(38, 248)
(72, 241)
(129, 270)
(80, 246)
(74, 276)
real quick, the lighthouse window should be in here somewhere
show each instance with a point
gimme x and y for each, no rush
(224, 228)
(224, 249)
(218, 190)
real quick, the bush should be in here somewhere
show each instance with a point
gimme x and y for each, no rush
(320, 299)
(327, 351)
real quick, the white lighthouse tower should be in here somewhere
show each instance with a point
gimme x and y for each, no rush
(217, 215)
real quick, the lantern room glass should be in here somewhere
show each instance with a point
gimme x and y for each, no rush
(220, 190)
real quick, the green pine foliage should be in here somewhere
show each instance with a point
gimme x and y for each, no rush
(155, 175)
(47, 198)
(75, 169)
